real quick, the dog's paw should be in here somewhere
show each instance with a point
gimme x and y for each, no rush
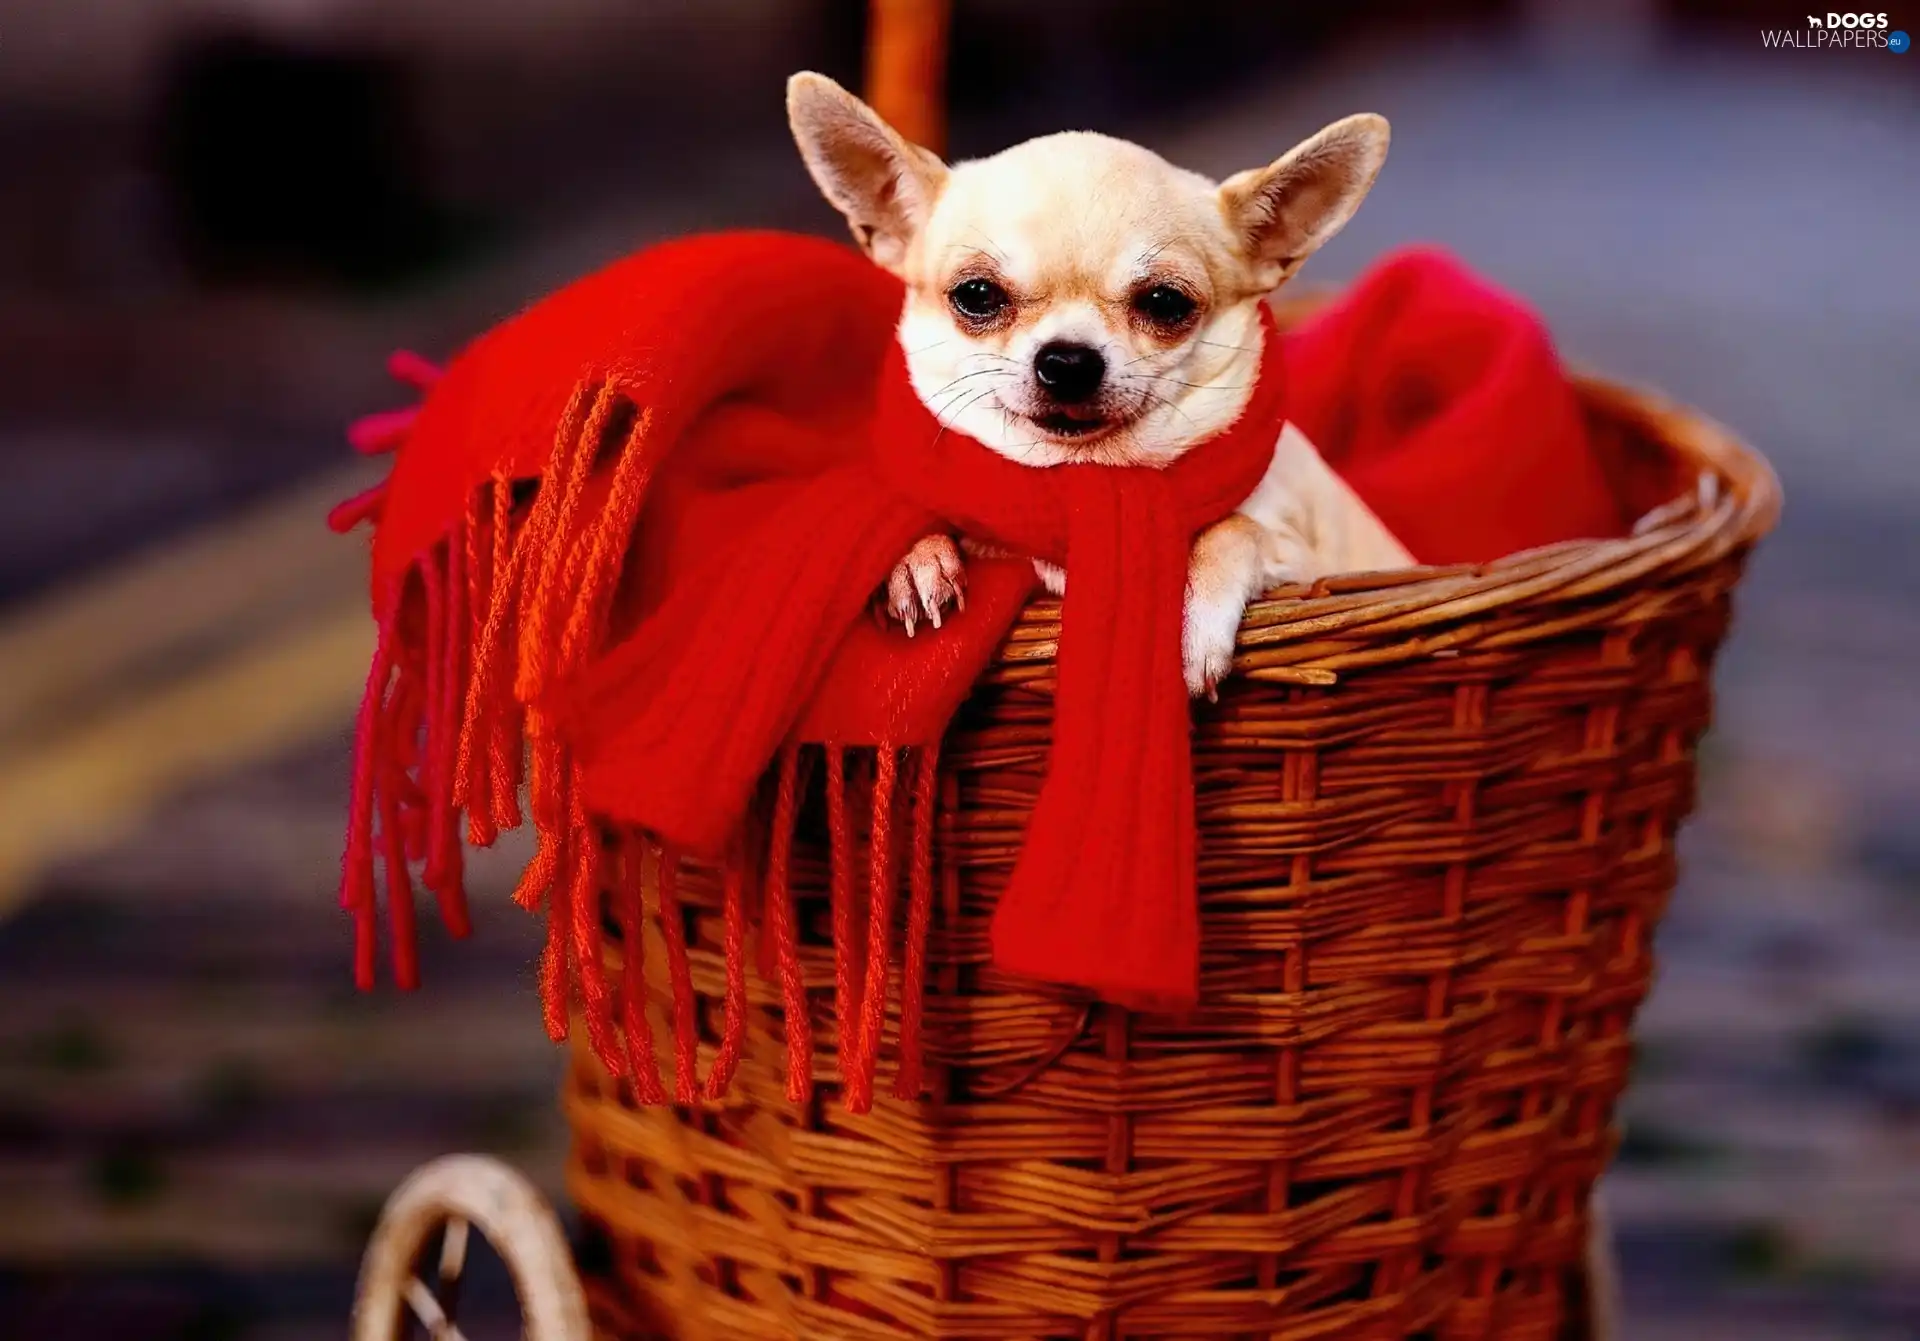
(1207, 637)
(1222, 572)
(923, 585)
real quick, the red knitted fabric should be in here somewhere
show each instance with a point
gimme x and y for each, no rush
(1440, 399)
(622, 559)
(672, 729)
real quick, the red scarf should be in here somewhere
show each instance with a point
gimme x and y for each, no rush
(628, 539)
(673, 729)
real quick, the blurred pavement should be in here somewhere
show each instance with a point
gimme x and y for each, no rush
(185, 1075)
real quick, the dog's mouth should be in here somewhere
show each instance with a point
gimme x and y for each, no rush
(1074, 426)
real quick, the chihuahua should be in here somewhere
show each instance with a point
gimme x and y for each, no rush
(1077, 298)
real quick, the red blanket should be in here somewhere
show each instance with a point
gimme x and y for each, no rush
(635, 528)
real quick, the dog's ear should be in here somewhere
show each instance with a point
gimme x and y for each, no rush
(884, 185)
(1283, 213)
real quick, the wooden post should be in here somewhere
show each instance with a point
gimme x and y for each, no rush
(907, 67)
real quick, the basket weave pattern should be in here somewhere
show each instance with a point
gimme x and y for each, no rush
(1437, 817)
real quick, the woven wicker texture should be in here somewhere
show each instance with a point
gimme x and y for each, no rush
(1437, 817)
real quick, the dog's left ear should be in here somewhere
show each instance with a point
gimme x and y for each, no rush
(1288, 210)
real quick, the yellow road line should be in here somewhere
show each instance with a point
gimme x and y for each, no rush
(82, 647)
(218, 651)
(93, 783)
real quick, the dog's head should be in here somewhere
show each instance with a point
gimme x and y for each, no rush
(1076, 297)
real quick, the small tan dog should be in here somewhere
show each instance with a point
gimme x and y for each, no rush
(1079, 298)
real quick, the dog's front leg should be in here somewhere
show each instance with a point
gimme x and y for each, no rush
(1300, 523)
(1233, 561)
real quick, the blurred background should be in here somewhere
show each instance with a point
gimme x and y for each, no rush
(218, 216)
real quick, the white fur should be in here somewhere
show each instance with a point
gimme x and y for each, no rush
(1072, 220)
(1073, 228)
(1301, 523)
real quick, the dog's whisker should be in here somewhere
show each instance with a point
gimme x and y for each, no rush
(995, 358)
(971, 396)
(963, 378)
(949, 420)
(953, 416)
(941, 410)
(1197, 386)
(1171, 405)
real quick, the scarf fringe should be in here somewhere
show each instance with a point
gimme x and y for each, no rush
(733, 1037)
(849, 964)
(858, 1070)
(910, 1079)
(514, 600)
(781, 917)
(686, 1036)
(364, 506)
(403, 809)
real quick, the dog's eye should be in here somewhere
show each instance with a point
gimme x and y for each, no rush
(978, 299)
(1164, 305)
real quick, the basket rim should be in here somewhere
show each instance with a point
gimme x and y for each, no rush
(1310, 634)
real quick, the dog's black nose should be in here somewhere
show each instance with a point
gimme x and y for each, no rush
(1069, 373)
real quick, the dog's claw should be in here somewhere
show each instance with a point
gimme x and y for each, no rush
(925, 583)
(931, 585)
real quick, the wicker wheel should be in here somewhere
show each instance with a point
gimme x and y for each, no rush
(446, 1202)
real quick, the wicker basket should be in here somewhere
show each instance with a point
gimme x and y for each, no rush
(1437, 813)
(1437, 817)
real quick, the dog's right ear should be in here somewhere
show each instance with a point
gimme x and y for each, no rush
(885, 185)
